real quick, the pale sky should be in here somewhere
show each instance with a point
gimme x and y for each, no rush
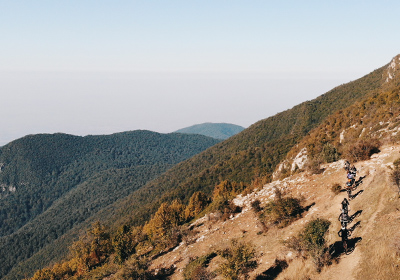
(99, 67)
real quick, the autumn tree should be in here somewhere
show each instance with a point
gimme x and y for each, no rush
(100, 246)
(197, 203)
(91, 249)
(167, 217)
(227, 190)
(124, 242)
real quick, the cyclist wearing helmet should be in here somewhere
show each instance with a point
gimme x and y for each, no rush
(345, 204)
(344, 233)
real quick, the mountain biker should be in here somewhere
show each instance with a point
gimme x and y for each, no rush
(347, 166)
(344, 218)
(351, 177)
(344, 233)
(345, 204)
(351, 172)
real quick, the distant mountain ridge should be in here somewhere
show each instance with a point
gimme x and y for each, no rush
(215, 130)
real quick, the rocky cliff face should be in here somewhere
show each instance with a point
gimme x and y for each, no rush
(393, 69)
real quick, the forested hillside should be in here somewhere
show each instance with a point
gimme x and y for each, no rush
(251, 155)
(215, 130)
(52, 183)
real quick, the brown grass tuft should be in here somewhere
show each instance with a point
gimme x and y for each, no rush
(336, 188)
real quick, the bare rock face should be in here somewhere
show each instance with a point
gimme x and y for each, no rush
(393, 70)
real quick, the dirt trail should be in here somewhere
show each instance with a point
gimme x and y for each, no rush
(347, 264)
(372, 187)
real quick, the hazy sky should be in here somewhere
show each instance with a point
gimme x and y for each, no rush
(99, 67)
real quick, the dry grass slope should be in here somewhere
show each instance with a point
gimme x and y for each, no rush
(374, 247)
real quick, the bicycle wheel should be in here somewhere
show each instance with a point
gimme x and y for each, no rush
(345, 246)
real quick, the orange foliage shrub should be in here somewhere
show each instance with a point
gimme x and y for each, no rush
(361, 150)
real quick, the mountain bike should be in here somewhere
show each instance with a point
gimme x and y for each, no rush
(344, 218)
(346, 166)
(350, 186)
(344, 215)
(345, 205)
(349, 168)
(344, 233)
